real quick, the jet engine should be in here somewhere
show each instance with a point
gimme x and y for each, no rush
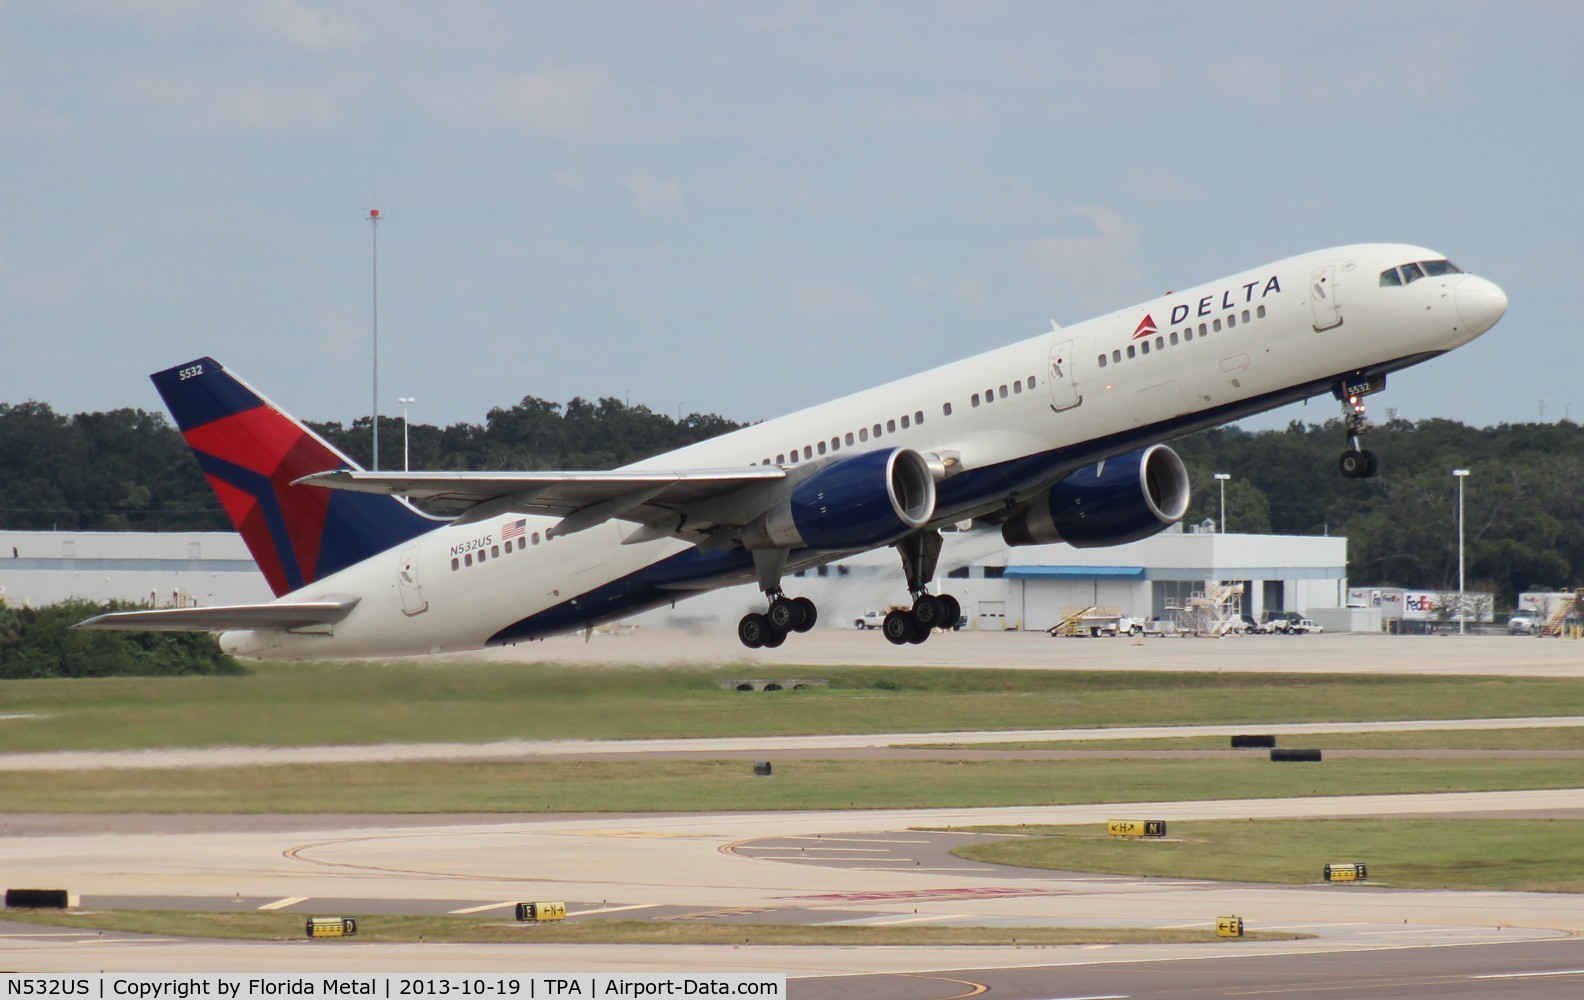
(860, 502)
(1119, 500)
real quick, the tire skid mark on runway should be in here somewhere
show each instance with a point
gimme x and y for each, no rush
(377, 871)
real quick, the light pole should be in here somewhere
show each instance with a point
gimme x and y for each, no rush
(405, 402)
(1222, 477)
(1460, 475)
(374, 221)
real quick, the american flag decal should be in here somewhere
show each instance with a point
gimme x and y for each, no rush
(513, 529)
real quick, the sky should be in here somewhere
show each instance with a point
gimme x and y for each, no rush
(747, 208)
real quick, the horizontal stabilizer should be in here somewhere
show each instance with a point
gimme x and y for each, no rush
(227, 618)
(555, 493)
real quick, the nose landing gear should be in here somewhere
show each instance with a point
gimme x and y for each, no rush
(1357, 462)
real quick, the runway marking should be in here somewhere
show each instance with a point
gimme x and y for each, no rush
(281, 904)
(856, 840)
(1529, 975)
(974, 989)
(870, 850)
(615, 909)
(634, 834)
(481, 909)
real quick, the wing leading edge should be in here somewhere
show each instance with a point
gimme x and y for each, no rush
(581, 499)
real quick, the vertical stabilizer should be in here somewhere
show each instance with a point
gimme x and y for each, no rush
(251, 452)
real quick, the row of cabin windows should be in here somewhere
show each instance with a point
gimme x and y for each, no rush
(863, 434)
(991, 394)
(1162, 341)
(495, 551)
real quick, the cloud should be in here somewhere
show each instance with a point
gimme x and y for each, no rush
(560, 102)
(16, 116)
(299, 25)
(1159, 186)
(831, 302)
(195, 104)
(657, 194)
(1085, 273)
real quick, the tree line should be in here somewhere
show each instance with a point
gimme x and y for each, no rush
(1524, 498)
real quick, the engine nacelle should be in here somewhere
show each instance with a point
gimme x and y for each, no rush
(859, 502)
(1120, 500)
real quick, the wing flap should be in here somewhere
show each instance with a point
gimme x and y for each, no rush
(225, 618)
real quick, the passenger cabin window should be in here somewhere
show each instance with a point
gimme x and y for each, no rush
(822, 447)
(890, 426)
(1102, 360)
(849, 439)
(945, 409)
(808, 452)
(976, 399)
(1116, 356)
(918, 416)
(877, 431)
(863, 433)
(1031, 381)
(905, 422)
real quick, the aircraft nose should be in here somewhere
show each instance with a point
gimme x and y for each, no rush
(1480, 302)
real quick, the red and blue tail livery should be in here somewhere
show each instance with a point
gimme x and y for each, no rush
(251, 453)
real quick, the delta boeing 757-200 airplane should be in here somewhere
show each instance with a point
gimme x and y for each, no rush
(1057, 438)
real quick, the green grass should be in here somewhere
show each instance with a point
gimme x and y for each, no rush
(691, 785)
(1535, 855)
(306, 704)
(1547, 738)
(407, 929)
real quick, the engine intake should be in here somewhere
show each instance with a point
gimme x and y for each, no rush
(1113, 502)
(859, 502)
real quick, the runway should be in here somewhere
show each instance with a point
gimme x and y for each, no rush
(861, 867)
(873, 868)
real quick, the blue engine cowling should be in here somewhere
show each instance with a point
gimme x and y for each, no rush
(860, 502)
(1119, 500)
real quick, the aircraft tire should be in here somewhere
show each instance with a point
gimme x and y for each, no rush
(752, 630)
(785, 614)
(810, 614)
(927, 611)
(1353, 464)
(951, 611)
(898, 627)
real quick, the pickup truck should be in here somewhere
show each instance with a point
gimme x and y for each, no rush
(869, 619)
(1293, 626)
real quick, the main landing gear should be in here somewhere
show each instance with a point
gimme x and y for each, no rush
(770, 629)
(928, 612)
(1357, 462)
(785, 615)
(920, 553)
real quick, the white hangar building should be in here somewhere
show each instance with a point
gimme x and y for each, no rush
(1000, 587)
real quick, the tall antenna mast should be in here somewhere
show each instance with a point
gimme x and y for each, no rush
(374, 221)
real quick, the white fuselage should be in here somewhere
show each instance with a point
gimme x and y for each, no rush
(1016, 419)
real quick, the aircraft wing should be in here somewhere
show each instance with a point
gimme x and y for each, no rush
(226, 618)
(581, 499)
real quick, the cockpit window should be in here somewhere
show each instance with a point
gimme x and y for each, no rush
(1407, 274)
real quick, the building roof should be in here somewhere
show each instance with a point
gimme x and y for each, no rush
(1075, 572)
